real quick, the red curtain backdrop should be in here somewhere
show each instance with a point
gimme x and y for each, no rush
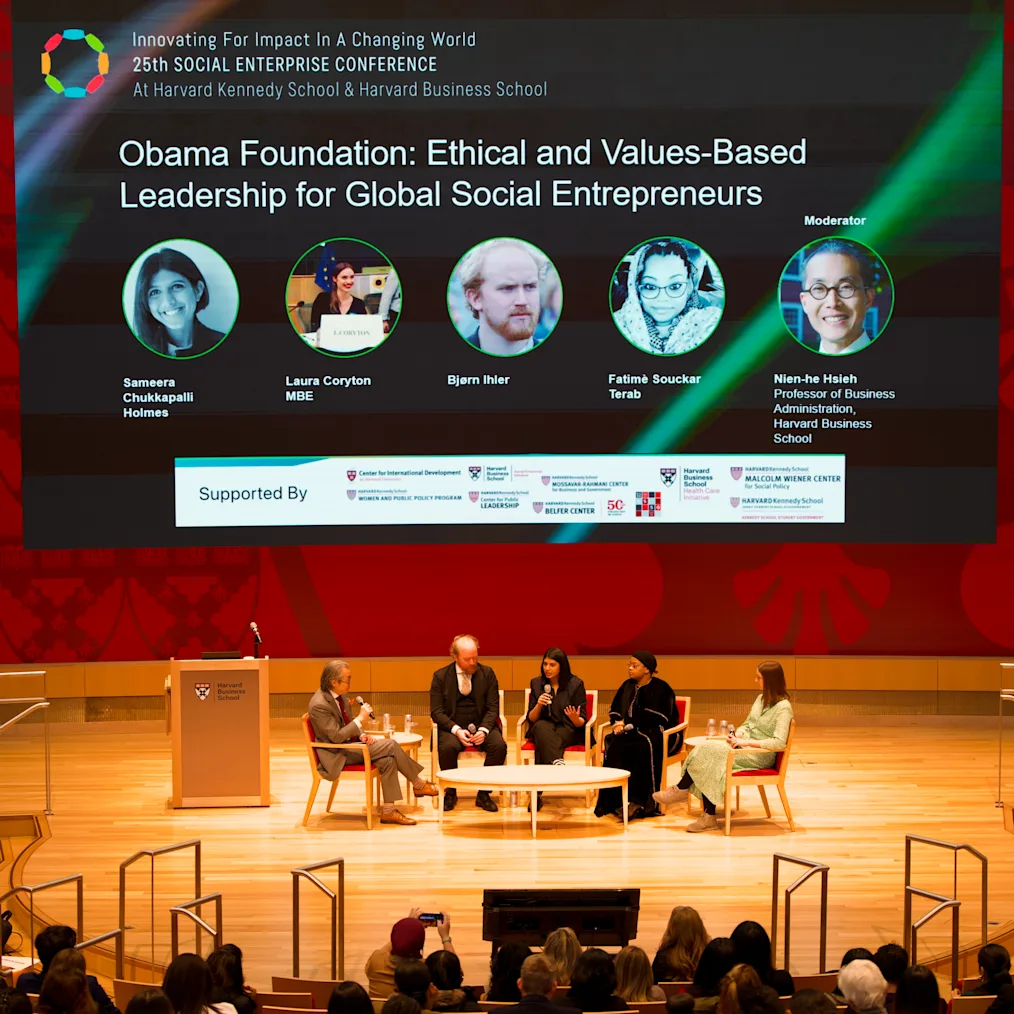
(409, 600)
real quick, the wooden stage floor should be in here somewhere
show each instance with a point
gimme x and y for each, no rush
(854, 791)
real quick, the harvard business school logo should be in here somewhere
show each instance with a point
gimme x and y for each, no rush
(68, 54)
(537, 507)
(351, 473)
(475, 471)
(350, 493)
(202, 690)
(736, 472)
(668, 475)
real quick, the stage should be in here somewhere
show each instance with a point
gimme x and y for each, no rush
(855, 792)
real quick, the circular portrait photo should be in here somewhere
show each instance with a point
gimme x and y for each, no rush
(504, 297)
(667, 296)
(180, 299)
(343, 297)
(836, 296)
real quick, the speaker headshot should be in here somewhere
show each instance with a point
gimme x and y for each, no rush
(180, 299)
(836, 296)
(667, 296)
(504, 297)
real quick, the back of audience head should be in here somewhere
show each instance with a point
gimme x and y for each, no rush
(594, 976)
(892, 960)
(188, 984)
(633, 975)
(65, 987)
(741, 977)
(717, 960)
(918, 992)
(863, 985)
(855, 954)
(683, 941)
(753, 947)
(412, 978)
(994, 960)
(679, 1003)
(504, 972)
(51, 941)
(408, 937)
(397, 1003)
(13, 1001)
(562, 948)
(811, 1001)
(149, 1001)
(538, 976)
(226, 971)
(349, 998)
(445, 969)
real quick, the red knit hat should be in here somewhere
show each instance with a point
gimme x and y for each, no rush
(407, 938)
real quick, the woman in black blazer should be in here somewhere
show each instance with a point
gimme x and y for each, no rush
(557, 710)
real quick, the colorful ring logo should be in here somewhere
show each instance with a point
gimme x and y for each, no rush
(74, 35)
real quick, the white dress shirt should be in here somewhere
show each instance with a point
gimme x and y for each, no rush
(860, 343)
(462, 677)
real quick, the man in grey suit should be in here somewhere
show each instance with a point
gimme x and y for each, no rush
(331, 717)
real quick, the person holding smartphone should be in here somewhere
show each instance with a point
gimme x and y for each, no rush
(408, 937)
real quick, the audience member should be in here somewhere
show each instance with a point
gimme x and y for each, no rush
(408, 937)
(680, 1003)
(149, 1001)
(562, 948)
(65, 988)
(811, 1001)
(1004, 1002)
(753, 947)
(349, 998)
(537, 984)
(762, 1000)
(593, 983)
(717, 960)
(227, 980)
(398, 1004)
(188, 985)
(855, 954)
(918, 992)
(445, 971)
(741, 978)
(892, 960)
(681, 946)
(412, 978)
(504, 972)
(994, 969)
(13, 1001)
(863, 986)
(48, 944)
(634, 981)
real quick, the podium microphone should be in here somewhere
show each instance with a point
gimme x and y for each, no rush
(361, 702)
(256, 636)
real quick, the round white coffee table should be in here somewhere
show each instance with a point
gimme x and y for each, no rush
(531, 778)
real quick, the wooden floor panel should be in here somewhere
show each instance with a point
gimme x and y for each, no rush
(854, 795)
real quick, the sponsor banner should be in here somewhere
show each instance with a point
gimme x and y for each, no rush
(511, 489)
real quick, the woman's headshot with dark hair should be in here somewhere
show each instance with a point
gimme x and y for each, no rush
(836, 296)
(667, 296)
(170, 294)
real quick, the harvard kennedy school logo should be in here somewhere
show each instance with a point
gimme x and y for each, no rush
(202, 690)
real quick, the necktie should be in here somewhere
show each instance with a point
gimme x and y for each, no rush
(466, 684)
(341, 708)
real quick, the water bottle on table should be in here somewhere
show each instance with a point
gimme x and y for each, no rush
(711, 727)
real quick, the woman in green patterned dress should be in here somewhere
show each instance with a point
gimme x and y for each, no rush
(766, 728)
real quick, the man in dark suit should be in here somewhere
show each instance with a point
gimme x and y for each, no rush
(537, 985)
(465, 706)
(48, 944)
(331, 715)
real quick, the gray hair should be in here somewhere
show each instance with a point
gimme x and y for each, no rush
(862, 984)
(332, 671)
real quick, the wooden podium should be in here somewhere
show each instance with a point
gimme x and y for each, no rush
(220, 732)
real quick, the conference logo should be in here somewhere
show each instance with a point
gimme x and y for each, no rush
(648, 504)
(537, 507)
(668, 475)
(614, 508)
(74, 35)
(736, 472)
(475, 471)
(350, 493)
(351, 473)
(202, 690)
(546, 480)
(734, 500)
(473, 495)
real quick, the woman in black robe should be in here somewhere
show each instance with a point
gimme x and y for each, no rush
(649, 705)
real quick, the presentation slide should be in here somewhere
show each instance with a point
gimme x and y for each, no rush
(555, 272)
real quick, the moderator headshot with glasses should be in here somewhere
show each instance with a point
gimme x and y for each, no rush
(667, 296)
(836, 296)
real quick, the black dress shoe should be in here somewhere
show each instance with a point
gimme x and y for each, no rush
(538, 803)
(634, 811)
(450, 801)
(486, 802)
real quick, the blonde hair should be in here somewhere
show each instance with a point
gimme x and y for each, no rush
(683, 941)
(741, 977)
(471, 269)
(633, 975)
(562, 949)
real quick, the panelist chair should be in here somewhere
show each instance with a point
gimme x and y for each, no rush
(760, 777)
(434, 759)
(524, 749)
(360, 763)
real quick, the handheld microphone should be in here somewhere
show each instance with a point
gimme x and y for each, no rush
(256, 632)
(361, 702)
(628, 727)
(471, 728)
(548, 689)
